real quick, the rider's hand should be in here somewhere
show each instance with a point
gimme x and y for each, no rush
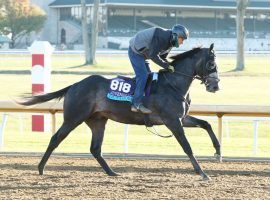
(171, 68)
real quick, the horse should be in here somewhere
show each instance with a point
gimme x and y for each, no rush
(85, 101)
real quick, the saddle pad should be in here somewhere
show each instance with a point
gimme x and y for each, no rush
(122, 88)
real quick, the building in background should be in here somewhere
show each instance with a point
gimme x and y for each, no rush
(207, 20)
(4, 42)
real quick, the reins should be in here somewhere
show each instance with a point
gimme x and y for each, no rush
(182, 98)
(156, 133)
(177, 90)
(193, 77)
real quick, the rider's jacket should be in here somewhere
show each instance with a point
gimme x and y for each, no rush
(154, 44)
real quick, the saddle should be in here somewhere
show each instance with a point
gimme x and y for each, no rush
(122, 88)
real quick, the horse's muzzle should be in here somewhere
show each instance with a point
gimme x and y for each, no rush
(213, 88)
(211, 83)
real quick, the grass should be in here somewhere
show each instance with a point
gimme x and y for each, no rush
(239, 142)
(68, 63)
(255, 64)
(249, 87)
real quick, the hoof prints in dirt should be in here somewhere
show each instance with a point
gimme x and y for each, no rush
(69, 178)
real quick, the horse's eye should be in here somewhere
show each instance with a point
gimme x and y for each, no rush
(211, 65)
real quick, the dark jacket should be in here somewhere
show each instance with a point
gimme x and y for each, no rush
(154, 44)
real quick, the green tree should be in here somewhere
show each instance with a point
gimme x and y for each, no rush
(19, 18)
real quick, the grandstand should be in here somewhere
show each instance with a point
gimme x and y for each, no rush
(120, 19)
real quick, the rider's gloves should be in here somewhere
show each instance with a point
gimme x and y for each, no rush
(170, 68)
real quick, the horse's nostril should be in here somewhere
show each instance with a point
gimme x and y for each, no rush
(216, 88)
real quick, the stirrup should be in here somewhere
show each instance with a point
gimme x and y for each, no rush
(140, 108)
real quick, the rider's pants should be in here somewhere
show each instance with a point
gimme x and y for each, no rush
(141, 68)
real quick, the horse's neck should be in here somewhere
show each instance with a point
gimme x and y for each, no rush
(180, 82)
(186, 65)
(184, 80)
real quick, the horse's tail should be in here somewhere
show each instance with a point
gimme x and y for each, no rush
(32, 100)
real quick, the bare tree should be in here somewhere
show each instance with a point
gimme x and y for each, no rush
(85, 34)
(90, 43)
(241, 8)
(94, 31)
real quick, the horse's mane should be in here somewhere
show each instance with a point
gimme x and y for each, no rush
(187, 54)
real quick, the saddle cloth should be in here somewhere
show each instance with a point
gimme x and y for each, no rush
(122, 88)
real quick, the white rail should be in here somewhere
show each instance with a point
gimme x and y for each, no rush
(202, 110)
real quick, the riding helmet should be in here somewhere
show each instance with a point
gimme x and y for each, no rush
(179, 30)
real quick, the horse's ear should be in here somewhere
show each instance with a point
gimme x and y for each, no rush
(211, 47)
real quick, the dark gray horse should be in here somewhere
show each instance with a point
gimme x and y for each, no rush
(86, 101)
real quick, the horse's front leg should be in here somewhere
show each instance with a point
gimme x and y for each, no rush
(175, 126)
(189, 121)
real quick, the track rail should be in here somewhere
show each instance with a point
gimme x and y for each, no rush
(204, 110)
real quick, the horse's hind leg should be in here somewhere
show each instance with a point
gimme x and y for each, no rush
(189, 121)
(97, 125)
(56, 139)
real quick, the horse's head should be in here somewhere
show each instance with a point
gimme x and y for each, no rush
(198, 63)
(206, 69)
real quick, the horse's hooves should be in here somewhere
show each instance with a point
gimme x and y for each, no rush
(40, 172)
(206, 178)
(197, 172)
(113, 174)
(218, 157)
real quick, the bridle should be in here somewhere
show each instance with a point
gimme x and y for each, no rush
(209, 68)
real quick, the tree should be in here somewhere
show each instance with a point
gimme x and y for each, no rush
(85, 34)
(19, 18)
(90, 43)
(94, 34)
(241, 8)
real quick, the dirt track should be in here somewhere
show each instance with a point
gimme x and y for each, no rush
(82, 178)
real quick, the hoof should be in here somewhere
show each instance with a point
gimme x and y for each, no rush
(205, 178)
(218, 157)
(112, 173)
(197, 172)
(40, 170)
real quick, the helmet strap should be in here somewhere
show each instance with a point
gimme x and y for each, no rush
(174, 40)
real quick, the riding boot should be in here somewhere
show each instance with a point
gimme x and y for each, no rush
(140, 108)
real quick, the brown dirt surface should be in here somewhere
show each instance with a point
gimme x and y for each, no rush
(82, 178)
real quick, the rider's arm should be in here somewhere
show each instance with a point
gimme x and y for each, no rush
(156, 59)
(164, 57)
(155, 51)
